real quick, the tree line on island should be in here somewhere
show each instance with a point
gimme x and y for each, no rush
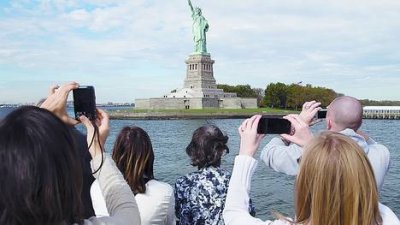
(292, 96)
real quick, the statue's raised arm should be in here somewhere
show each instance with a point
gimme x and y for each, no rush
(190, 5)
(199, 29)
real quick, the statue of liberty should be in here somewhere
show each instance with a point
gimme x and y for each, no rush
(199, 29)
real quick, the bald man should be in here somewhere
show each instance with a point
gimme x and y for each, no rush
(344, 115)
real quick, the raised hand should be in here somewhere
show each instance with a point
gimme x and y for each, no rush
(249, 138)
(190, 5)
(302, 133)
(95, 142)
(57, 100)
(309, 111)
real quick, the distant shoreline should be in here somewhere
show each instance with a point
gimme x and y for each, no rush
(124, 115)
(209, 114)
(129, 113)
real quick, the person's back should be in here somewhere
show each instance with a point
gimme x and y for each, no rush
(200, 196)
(377, 154)
(344, 115)
(335, 184)
(88, 178)
(156, 205)
(134, 156)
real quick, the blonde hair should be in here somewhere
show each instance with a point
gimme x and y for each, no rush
(336, 185)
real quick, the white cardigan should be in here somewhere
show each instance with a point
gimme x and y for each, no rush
(156, 206)
(236, 213)
(119, 198)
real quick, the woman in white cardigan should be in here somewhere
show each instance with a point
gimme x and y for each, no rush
(335, 185)
(134, 156)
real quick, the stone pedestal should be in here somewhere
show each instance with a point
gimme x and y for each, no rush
(199, 90)
(199, 72)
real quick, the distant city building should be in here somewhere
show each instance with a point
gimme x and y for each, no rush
(381, 112)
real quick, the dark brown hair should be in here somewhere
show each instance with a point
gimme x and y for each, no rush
(134, 156)
(41, 177)
(207, 146)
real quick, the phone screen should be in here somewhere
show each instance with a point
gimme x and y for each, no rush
(321, 114)
(85, 102)
(273, 126)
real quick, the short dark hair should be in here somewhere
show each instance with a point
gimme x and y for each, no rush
(40, 169)
(133, 154)
(207, 146)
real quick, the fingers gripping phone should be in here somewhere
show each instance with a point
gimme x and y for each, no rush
(274, 126)
(84, 102)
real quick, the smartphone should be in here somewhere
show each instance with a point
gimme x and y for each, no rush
(273, 126)
(84, 102)
(321, 114)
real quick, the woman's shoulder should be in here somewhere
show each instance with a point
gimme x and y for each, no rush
(203, 174)
(188, 177)
(158, 186)
(223, 171)
(388, 216)
(216, 172)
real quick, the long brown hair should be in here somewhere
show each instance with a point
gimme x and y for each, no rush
(41, 172)
(133, 154)
(336, 184)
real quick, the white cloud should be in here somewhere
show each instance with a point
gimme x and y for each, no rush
(79, 16)
(255, 41)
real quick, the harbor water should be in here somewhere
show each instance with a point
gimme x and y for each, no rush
(270, 191)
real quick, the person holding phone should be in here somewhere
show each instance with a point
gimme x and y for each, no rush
(344, 115)
(41, 168)
(335, 184)
(84, 101)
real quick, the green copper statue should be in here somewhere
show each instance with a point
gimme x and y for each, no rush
(199, 29)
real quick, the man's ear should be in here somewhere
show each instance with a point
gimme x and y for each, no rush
(328, 124)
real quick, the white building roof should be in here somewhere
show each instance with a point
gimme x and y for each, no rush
(381, 108)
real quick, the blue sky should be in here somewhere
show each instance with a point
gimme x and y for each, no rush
(137, 48)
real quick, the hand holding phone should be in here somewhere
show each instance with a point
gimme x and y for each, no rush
(56, 101)
(309, 111)
(274, 126)
(96, 142)
(84, 102)
(249, 138)
(302, 133)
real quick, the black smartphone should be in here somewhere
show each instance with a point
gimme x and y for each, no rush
(321, 114)
(84, 102)
(273, 126)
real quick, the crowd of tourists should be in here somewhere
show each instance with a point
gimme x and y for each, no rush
(52, 174)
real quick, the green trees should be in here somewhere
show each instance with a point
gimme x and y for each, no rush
(367, 102)
(280, 95)
(276, 95)
(293, 96)
(243, 91)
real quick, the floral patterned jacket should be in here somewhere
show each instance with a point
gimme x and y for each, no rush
(200, 197)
